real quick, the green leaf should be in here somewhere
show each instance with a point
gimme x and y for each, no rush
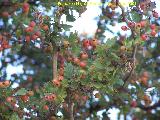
(120, 82)
(66, 27)
(69, 70)
(135, 16)
(70, 18)
(114, 56)
(97, 85)
(14, 116)
(22, 91)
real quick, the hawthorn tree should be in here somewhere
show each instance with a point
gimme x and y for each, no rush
(74, 75)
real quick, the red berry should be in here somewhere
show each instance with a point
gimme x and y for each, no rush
(29, 29)
(45, 107)
(131, 24)
(38, 33)
(34, 37)
(153, 26)
(9, 99)
(82, 64)
(25, 7)
(144, 37)
(143, 23)
(56, 82)
(32, 24)
(60, 78)
(24, 98)
(76, 60)
(133, 104)
(84, 55)
(153, 32)
(28, 39)
(124, 28)
(86, 43)
(45, 27)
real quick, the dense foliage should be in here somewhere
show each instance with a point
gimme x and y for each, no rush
(70, 76)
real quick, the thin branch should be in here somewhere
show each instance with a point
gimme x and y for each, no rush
(70, 106)
(55, 54)
(133, 67)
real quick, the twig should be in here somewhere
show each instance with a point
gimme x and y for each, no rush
(55, 53)
(70, 105)
(133, 67)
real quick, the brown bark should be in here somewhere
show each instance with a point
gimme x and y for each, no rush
(55, 53)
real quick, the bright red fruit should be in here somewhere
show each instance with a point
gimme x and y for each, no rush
(45, 27)
(45, 107)
(143, 23)
(38, 33)
(24, 98)
(32, 24)
(124, 28)
(25, 7)
(76, 60)
(153, 26)
(60, 78)
(153, 32)
(86, 43)
(29, 29)
(144, 37)
(34, 37)
(82, 64)
(56, 82)
(28, 39)
(9, 99)
(131, 24)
